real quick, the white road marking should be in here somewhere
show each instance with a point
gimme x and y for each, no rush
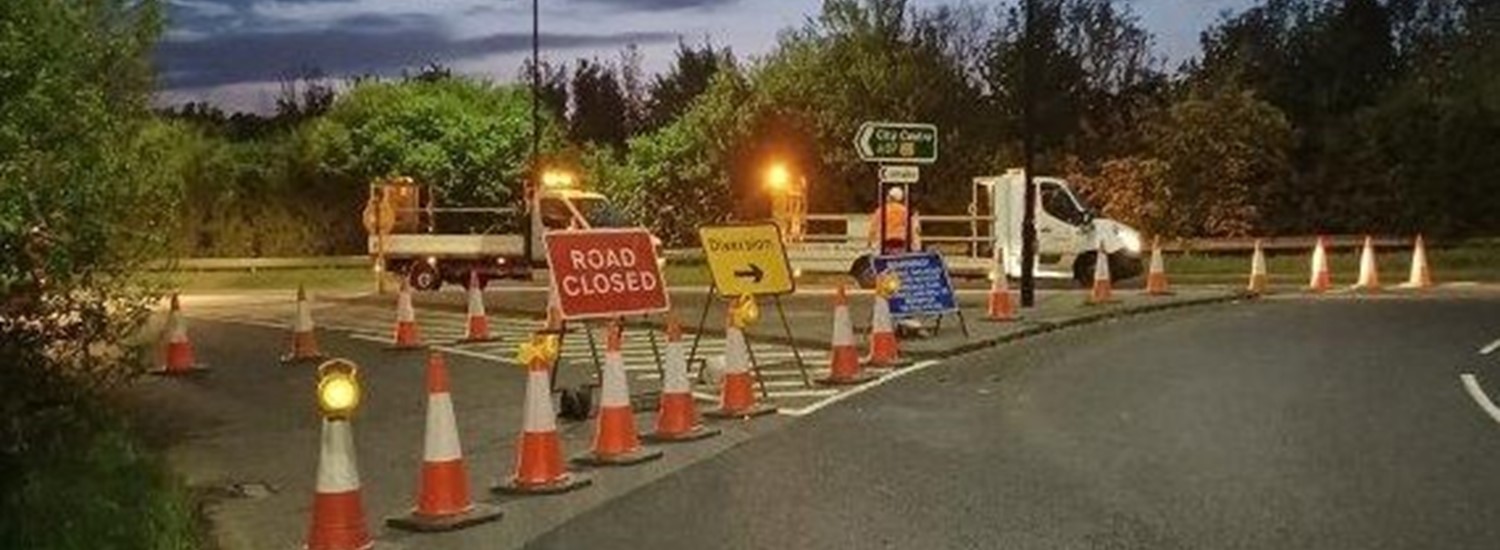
(1472, 384)
(1490, 348)
(815, 407)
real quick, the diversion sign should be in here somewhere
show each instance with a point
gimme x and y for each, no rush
(603, 273)
(925, 286)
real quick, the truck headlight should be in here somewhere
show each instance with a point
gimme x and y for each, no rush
(1130, 238)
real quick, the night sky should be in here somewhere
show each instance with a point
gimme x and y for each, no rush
(232, 52)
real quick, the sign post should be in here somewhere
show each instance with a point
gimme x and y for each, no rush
(897, 143)
(748, 260)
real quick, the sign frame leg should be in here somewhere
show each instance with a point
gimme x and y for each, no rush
(791, 343)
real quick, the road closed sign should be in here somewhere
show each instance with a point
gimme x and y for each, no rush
(925, 287)
(747, 259)
(603, 273)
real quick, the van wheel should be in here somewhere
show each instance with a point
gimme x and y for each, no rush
(424, 276)
(1083, 269)
(1120, 268)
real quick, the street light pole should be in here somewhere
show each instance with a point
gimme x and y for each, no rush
(536, 123)
(1028, 145)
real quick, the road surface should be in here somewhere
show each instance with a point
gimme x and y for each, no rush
(1320, 424)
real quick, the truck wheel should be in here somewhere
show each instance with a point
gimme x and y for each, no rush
(1083, 269)
(423, 276)
(1120, 268)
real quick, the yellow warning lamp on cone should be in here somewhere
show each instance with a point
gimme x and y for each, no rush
(542, 349)
(743, 312)
(887, 284)
(338, 389)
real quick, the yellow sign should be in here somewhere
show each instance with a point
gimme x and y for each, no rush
(747, 259)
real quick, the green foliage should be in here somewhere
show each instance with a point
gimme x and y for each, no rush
(466, 138)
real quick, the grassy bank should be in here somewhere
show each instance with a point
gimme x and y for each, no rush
(90, 484)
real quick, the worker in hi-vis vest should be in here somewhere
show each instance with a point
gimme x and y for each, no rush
(895, 225)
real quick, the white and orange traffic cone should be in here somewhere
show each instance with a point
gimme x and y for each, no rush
(1369, 272)
(737, 388)
(1259, 280)
(885, 348)
(1103, 289)
(178, 357)
(676, 415)
(1321, 279)
(443, 502)
(1156, 277)
(478, 329)
(1001, 306)
(615, 440)
(338, 512)
(407, 335)
(1421, 273)
(844, 367)
(539, 463)
(304, 337)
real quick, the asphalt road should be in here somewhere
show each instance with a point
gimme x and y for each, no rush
(1320, 424)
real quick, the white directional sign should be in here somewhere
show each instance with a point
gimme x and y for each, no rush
(900, 174)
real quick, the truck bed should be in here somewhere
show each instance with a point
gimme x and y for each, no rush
(451, 246)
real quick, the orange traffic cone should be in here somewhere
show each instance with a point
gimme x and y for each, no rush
(615, 439)
(407, 336)
(1156, 278)
(677, 416)
(1259, 281)
(737, 389)
(1421, 274)
(479, 324)
(844, 367)
(539, 464)
(1321, 280)
(1103, 290)
(885, 348)
(443, 502)
(338, 521)
(1369, 274)
(178, 356)
(1001, 306)
(304, 339)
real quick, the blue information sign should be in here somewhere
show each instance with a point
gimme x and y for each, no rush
(925, 286)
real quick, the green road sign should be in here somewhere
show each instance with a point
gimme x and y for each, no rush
(897, 142)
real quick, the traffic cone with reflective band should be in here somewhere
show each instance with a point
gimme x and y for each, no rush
(443, 502)
(1103, 290)
(1156, 278)
(1421, 274)
(539, 463)
(1001, 306)
(676, 415)
(737, 389)
(844, 367)
(1369, 273)
(479, 323)
(178, 358)
(407, 336)
(304, 339)
(1321, 279)
(338, 521)
(615, 439)
(885, 349)
(1259, 281)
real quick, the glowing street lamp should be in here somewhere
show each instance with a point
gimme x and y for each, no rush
(778, 178)
(557, 178)
(338, 389)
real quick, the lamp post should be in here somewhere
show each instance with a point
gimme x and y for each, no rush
(535, 173)
(1028, 144)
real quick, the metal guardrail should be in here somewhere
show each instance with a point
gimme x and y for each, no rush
(256, 264)
(1275, 244)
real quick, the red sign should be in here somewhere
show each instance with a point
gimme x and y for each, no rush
(601, 273)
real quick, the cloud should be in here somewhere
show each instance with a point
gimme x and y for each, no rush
(661, 5)
(364, 44)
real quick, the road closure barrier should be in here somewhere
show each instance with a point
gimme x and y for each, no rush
(1103, 289)
(615, 440)
(477, 329)
(1156, 276)
(178, 358)
(539, 463)
(885, 349)
(304, 336)
(338, 512)
(1369, 272)
(407, 335)
(676, 414)
(844, 367)
(443, 502)
(1259, 281)
(1421, 274)
(1321, 279)
(737, 391)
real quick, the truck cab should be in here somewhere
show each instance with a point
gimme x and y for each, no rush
(1068, 231)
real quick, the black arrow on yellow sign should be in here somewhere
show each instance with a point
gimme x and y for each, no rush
(755, 273)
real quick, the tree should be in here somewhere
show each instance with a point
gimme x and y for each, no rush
(600, 113)
(673, 92)
(470, 140)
